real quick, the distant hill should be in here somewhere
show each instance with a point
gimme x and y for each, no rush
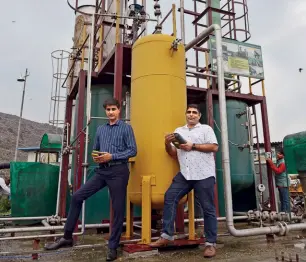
(30, 135)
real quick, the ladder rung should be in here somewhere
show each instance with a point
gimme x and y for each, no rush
(254, 125)
(254, 136)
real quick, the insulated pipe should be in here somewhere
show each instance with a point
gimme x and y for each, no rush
(22, 218)
(225, 148)
(53, 228)
(218, 218)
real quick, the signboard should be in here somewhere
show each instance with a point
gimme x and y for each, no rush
(239, 58)
(262, 156)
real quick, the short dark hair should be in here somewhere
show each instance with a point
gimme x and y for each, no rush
(280, 151)
(111, 102)
(193, 106)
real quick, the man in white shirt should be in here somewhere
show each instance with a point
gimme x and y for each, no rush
(4, 186)
(197, 171)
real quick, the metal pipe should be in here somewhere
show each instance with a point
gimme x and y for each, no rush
(54, 228)
(24, 80)
(225, 148)
(214, 76)
(218, 218)
(22, 218)
(182, 18)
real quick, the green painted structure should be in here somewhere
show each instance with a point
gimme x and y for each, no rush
(33, 190)
(241, 161)
(295, 152)
(97, 206)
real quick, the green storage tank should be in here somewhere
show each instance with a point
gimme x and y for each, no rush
(97, 206)
(241, 161)
(295, 152)
(33, 190)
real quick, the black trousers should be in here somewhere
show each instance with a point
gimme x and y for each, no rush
(116, 179)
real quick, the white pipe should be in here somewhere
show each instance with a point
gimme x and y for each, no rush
(218, 218)
(23, 218)
(54, 228)
(182, 18)
(225, 148)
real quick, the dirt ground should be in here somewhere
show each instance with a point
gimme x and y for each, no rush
(229, 249)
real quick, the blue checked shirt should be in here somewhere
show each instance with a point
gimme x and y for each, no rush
(117, 139)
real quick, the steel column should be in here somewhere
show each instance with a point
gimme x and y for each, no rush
(81, 141)
(118, 72)
(179, 220)
(267, 143)
(210, 121)
(65, 159)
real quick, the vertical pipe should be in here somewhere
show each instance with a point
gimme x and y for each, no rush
(207, 70)
(191, 225)
(144, 3)
(174, 20)
(118, 72)
(210, 122)
(250, 86)
(267, 143)
(117, 21)
(20, 116)
(80, 122)
(182, 18)
(195, 35)
(65, 161)
(263, 88)
(83, 49)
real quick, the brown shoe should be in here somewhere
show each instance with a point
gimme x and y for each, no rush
(209, 251)
(161, 242)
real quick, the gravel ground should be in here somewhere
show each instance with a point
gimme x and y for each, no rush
(229, 249)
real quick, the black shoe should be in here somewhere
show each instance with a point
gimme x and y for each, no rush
(60, 243)
(111, 254)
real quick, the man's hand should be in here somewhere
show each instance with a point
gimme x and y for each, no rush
(187, 146)
(169, 138)
(269, 161)
(103, 158)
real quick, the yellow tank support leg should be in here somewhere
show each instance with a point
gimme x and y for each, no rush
(191, 215)
(129, 218)
(146, 210)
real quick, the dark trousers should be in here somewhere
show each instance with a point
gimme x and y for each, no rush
(116, 179)
(204, 189)
(284, 199)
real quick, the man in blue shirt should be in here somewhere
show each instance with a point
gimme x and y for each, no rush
(116, 142)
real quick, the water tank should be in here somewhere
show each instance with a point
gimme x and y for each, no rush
(158, 105)
(241, 161)
(295, 152)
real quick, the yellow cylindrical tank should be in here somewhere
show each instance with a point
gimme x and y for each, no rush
(158, 105)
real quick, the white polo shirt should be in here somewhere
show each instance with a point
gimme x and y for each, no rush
(4, 189)
(195, 165)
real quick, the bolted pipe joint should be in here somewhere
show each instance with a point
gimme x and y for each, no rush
(284, 230)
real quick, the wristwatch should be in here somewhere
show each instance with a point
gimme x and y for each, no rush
(193, 146)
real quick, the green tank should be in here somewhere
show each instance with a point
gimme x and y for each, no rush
(241, 161)
(295, 152)
(33, 190)
(97, 206)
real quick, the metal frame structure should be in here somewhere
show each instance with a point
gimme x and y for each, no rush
(230, 29)
(117, 66)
